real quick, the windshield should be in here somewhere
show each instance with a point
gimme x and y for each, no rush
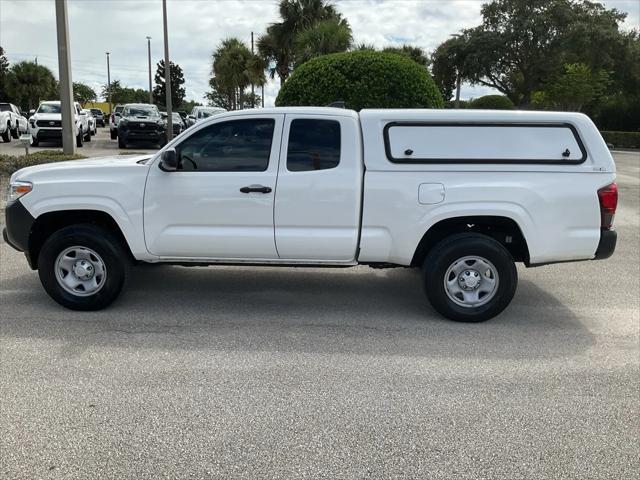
(208, 113)
(49, 108)
(139, 111)
(176, 117)
(95, 111)
(4, 107)
(118, 109)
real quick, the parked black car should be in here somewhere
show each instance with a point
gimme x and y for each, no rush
(141, 122)
(99, 116)
(177, 122)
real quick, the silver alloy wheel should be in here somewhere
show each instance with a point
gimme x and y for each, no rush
(471, 281)
(80, 271)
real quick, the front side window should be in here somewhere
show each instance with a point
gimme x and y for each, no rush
(235, 146)
(313, 145)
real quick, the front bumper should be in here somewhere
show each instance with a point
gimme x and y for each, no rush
(47, 133)
(607, 244)
(140, 136)
(18, 229)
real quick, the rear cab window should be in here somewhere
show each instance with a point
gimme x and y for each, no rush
(314, 144)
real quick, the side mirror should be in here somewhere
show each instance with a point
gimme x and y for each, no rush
(169, 160)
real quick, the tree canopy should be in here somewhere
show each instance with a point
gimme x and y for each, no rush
(27, 83)
(284, 44)
(4, 71)
(235, 68)
(83, 93)
(120, 94)
(522, 43)
(177, 90)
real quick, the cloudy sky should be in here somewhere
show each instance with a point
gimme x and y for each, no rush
(196, 27)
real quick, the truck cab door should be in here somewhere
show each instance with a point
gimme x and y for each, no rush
(318, 198)
(219, 202)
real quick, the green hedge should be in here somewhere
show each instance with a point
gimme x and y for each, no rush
(12, 163)
(622, 139)
(492, 102)
(362, 79)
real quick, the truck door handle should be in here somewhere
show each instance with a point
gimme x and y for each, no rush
(256, 188)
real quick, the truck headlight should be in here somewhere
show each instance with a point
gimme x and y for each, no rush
(17, 189)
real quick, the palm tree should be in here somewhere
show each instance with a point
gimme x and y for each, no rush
(277, 46)
(234, 69)
(28, 83)
(327, 36)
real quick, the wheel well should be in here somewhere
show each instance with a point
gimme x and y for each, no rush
(48, 223)
(503, 229)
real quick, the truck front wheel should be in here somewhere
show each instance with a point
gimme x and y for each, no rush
(83, 267)
(469, 277)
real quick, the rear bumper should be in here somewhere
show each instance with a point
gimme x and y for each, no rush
(607, 244)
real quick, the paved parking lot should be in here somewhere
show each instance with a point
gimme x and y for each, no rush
(317, 373)
(99, 146)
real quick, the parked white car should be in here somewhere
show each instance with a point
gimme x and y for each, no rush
(114, 119)
(45, 124)
(93, 124)
(12, 122)
(201, 113)
(460, 194)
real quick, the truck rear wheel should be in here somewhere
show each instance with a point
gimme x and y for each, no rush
(83, 267)
(469, 277)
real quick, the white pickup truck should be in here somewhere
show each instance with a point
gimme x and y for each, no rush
(12, 122)
(462, 195)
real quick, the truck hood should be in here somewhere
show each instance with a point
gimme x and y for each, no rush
(47, 116)
(75, 167)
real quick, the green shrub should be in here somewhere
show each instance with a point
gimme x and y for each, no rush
(362, 79)
(452, 104)
(12, 163)
(492, 102)
(622, 139)
(617, 113)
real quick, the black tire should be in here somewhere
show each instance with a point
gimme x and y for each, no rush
(6, 136)
(15, 133)
(101, 241)
(446, 253)
(34, 141)
(79, 138)
(121, 143)
(87, 137)
(114, 134)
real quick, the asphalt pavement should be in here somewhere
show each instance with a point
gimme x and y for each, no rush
(99, 146)
(283, 373)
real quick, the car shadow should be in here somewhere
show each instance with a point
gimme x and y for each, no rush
(333, 311)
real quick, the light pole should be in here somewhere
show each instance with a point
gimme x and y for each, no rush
(149, 52)
(457, 102)
(66, 82)
(253, 98)
(167, 72)
(109, 82)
